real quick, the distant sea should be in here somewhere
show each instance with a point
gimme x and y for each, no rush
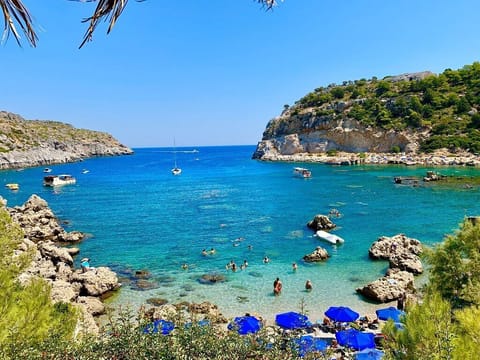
(140, 216)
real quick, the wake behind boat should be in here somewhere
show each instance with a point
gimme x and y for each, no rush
(57, 180)
(302, 172)
(332, 239)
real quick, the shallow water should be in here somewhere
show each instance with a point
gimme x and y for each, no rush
(141, 217)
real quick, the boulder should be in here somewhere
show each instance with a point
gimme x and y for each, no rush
(385, 247)
(321, 222)
(407, 262)
(390, 287)
(92, 304)
(319, 254)
(63, 291)
(55, 253)
(96, 281)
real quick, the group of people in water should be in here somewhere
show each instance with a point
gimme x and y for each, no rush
(277, 286)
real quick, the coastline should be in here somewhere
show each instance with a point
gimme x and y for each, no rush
(438, 158)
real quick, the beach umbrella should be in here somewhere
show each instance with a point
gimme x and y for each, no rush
(390, 313)
(369, 354)
(308, 343)
(292, 320)
(341, 314)
(245, 325)
(162, 326)
(355, 339)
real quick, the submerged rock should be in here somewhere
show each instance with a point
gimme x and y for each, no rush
(211, 278)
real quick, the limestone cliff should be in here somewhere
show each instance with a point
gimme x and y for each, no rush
(26, 143)
(307, 133)
(410, 113)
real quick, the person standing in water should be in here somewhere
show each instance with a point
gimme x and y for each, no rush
(308, 286)
(277, 286)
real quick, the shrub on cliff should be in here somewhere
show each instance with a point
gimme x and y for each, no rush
(27, 316)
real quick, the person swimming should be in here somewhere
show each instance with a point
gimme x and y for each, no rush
(266, 260)
(294, 266)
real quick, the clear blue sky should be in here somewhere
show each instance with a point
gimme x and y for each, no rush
(214, 72)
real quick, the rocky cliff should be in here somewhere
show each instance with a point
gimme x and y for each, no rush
(410, 113)
(26, 143)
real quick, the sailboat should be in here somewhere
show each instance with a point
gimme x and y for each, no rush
(176, 170)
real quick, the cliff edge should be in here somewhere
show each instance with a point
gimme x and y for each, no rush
(409, 114)
(28, 143)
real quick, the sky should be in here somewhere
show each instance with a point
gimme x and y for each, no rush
(214, 72)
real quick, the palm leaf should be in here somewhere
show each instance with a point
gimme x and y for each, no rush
(14, 12)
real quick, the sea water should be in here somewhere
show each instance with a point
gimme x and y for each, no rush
(138, 216)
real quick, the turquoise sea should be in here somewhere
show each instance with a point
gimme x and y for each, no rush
(139, 216)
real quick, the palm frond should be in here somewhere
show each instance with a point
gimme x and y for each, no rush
(14, 12)
(268, 3)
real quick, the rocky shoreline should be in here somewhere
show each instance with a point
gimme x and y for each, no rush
(438, 158)
(30, 143)
(53, 261)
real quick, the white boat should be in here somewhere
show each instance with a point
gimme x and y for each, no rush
(176, 170)
(47, 170)
(332, 239)
(57, 180)
(302, 172)
(12, 186)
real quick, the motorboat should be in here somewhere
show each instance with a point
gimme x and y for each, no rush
(331, 238)
(302, 172)
(57, 180)
(47, 170)
(12, 186)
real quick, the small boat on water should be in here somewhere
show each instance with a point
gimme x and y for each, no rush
(12, 186)
(47, 170)
(332, 239)
(57, 180)
(176, 170)
(302, 172)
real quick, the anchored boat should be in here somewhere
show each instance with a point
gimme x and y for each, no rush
(332, 239)
(57, 180)
(302, 172)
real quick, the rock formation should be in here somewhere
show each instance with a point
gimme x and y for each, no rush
(319, 254)
(54, 263)
(27, 143)
(321, 222)
(402, 253)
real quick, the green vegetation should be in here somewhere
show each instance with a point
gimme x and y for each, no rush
(447, 104)
(18, 133)
(27, 316)
(445, 324)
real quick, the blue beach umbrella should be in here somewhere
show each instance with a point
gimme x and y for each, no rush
(292, 320)
(308, 343)
(162, 326)
(369, 354)
(390, 313)
(355, 339)
(341, 314)
(245, 325)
